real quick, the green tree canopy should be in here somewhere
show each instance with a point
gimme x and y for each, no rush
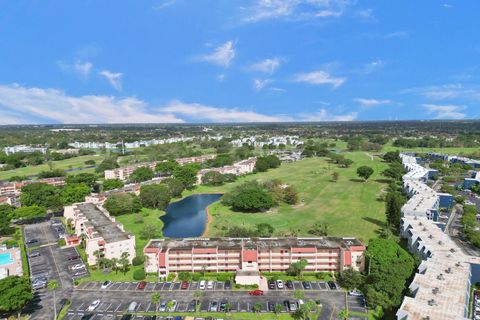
(142, 174)
(364, 172)
(187, 174)
(166, 167)
(110, 184)
(15, 293)
(155, 196)
(74, 192)
(6, 212)
(29, 212)
(122, 203)
(109, 163)
(175, 186)
(248, 197)
(41, 194)
(213, 178)
(90, 179)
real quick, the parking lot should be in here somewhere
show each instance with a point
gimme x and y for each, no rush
(192, 286)
(116, 303)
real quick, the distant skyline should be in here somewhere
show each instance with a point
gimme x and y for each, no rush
(179, 61)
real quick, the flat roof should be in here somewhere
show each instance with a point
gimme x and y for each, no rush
(102, 225)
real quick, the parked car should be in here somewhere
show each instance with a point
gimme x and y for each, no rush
(163, 306)
(289, 284)
(201, 286)
(93, 305)
(223, 306)
(106, 284)
(355, 293)
(77, 266)
(210, 284)
(56, 223)
(39, 285)
(184, 285)
(80, 273)
(126, 317)
(280, 284)
(133, 306)
(214, 306)
(71, 258)
(257, 292)
(271, 306)
(286, 304)
(32, 241)
(34, 254)
(306, 285)
(228, 285)
(271, 284)
(332, 285)
(141, 285)
(293, 306)
(192, 306)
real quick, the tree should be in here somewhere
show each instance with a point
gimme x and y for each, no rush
(345, 163)
(75, 192)
(351, 279)
(264, 230)
(42, 195)
(166, 167)
(228, 307)
(197, 295)
(108, 163)
(53, 286)
(122, 203)
(90, 179)
(213, 178)
(142, 174)
(51, 174)
(110, 184)
(364, 172)
(124, 262)
(6, 212)
(297, 268)
(175, 186)
(392, 156)
(299, 294)
(305, 309)
(290, 195)
(257, 307)
(343, 314)
(335, 176)
(155, 196)
(249, 197)
(319, 229)
(114, 262)
(278, 308)
(155, 298)
(394, 171)
(29, 213)
(149, 232)
(187, 174)
(15, 293)
(170, 306)
(393, 208)
(221, 160)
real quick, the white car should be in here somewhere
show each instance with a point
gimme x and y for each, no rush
(202, 285)
(93, 305)
(355, 293)
(173, 307)
(77, 266)
(163, 306)
(106, 284)
(210, 284)
(280, 284)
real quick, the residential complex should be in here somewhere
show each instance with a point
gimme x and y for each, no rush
(125, 172)
(10, 191)
(252, 254)
(196, 159)
(23, 148)
(441, 288)
(259, 142)
(104, 236)
(238, 168)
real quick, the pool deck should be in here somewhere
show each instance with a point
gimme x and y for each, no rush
(14, 268)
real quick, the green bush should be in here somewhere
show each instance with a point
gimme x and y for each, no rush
(61, 242)
(185, 276)
(170, 276)
(138, 260)
(139, 274)
(196, 277)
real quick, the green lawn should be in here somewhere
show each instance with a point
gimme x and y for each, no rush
(453, 151)
(75, 162)
(349, 206)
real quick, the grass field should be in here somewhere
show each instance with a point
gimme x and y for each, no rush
(349, 206)
(453, 151)
(75, 162)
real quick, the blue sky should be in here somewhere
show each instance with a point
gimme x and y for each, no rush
(238, 61)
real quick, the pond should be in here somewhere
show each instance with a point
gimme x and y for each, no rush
(187, 217)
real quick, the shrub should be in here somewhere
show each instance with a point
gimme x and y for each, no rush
(61, 242)
(139, 274)
(138, 260)
(196, 276)
(170, 276)
(184, 276)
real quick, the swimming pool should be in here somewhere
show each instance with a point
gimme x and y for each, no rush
(5, 258)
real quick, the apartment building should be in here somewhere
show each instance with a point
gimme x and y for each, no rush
(102, 233)
(23, 148)
(238, 168)
(125, 172)
(197, 159)
(441, 287)
(252, 254)
(15, 188)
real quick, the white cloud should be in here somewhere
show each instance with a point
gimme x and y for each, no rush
(445, 111)
(319, 78)
(82, 69)
(446, 91)
(259, 84)
(52, 105)
(114, 78)
(365, 14)
(373, 66)
(371, 102)
(164, 4)
(295, 9)
(221, 56)
(266, 66)
(324, 115)
(447, 6)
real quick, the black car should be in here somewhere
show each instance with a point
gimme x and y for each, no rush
(32, 241)
(271, 306)
(126, 317)
(228, 285)
(71, 258)
(332, 285)
(286, 304)
(192, 306)
(271, 284)
(88, 316)
(289, 284)
(150, 318)
(223, 306)
(306, 285)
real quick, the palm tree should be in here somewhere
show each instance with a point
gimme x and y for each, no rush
(197, 294)
(170, 307)
(299, 294)
(155, 298)
(52, 286)
(124, 261)
(114, 263)
(278, 309)
(257, 307)
(344, 314)
(97, 253)
(228, 307)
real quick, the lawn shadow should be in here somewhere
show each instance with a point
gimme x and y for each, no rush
(357, 180)
(383, 180)
(376, 222)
